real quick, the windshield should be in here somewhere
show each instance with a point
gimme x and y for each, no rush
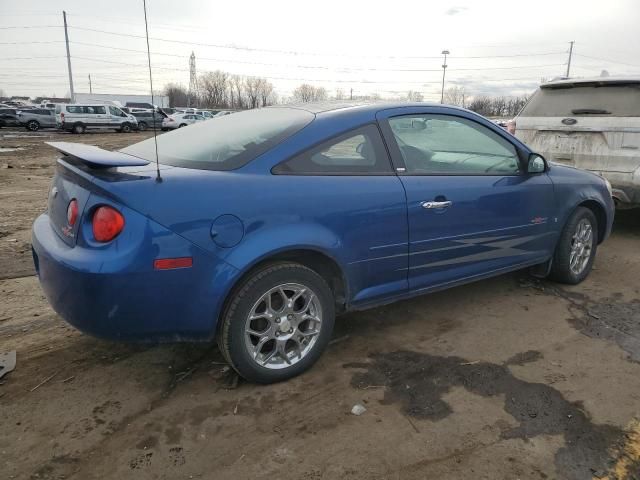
(224, 143)
(614, 101)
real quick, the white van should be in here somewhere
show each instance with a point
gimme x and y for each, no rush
(589, 123)
(78, 118)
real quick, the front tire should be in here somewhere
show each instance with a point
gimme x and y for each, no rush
(182, 125)
(125, 128)
(33, 126)
(576, 248)
(142, 126)
(278, 323)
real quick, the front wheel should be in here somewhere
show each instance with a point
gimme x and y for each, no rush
(142, 126)
(125, 128)
(33, 126)
(278, 323)
(576, 249)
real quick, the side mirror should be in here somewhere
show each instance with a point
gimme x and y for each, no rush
(537, 164)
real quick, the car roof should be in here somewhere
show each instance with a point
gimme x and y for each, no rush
(596, 81)
(372, 105)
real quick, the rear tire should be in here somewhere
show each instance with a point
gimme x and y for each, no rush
(142, 126)
(576, 248)
(289, 310)
(182, 125)
(78, 128)
(33, 126)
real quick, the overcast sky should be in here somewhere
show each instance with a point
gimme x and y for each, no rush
(497, 47)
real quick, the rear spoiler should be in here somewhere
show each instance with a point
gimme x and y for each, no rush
(96, 157)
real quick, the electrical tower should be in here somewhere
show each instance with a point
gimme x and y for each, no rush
(192, 98)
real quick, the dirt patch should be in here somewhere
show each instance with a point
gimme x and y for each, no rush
(418, 381)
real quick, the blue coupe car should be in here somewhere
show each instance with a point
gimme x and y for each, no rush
(257, 228)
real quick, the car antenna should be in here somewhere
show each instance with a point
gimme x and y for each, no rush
(153, 103)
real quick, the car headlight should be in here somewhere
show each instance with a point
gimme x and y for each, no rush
(608, 185)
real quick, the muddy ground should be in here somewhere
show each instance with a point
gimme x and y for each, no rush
(508, 378)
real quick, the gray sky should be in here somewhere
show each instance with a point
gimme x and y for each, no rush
(497, 47)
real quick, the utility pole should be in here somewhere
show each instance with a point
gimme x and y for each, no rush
(351, 95)
(66, 40)
(570, 53)
(444, 71)
(90, 89)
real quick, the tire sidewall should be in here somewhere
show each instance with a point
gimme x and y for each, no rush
(126, 128)
(233, 331)
(142, 126)
(78, 128)
(33, 126)
(561, 266)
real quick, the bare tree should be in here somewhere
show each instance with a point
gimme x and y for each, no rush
(177, 94)
(237, 87)
(414, 96)
(309, 93)
(455, 96)
(267, 93)
(213, 88)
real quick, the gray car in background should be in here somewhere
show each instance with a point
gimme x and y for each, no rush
(37, 118)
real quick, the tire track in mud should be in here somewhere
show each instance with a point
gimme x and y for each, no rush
(418, 381)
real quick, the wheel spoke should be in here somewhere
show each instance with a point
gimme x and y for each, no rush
(282, 352)
(259, 345)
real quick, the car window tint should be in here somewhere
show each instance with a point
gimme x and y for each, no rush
(359, 152)
(226, 144)
(444, 144)
(114, 111)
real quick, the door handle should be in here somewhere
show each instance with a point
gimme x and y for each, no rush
(430, 205)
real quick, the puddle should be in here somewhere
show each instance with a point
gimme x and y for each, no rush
(617, 321)
(417, 382)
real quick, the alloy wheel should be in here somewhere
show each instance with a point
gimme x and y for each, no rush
(581, 246)
(283, 326)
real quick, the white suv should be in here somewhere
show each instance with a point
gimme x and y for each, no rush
(78, 118)
(589, 123)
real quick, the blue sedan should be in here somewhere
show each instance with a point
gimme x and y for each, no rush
(257, 228)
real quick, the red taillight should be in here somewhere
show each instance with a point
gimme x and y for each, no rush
(169, 263)
(107, 223)
(72, 212)
(511, 127)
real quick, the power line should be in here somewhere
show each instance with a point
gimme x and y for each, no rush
(313, 67)
(605, 60)
(27, 27)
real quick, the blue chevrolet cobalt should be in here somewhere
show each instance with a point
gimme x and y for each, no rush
(257, 228)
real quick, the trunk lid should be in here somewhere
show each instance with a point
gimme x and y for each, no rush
(73, 179)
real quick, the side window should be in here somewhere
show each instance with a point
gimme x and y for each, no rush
(114, 111)
(71, 109)
(359, 152)
(100, 110)
(448, 145)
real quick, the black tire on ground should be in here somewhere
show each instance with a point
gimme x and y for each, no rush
(78, 128)
(33, 125)
(182, 125)
(142, 126)
(561, 270)
(125, 128)
(231, 331)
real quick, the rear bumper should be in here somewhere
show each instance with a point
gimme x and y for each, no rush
(115, 293)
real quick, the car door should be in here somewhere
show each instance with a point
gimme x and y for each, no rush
(346, 186)
(115, 117)
(98, 117)
(472, 208)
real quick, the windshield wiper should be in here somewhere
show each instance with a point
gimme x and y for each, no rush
(590, 111)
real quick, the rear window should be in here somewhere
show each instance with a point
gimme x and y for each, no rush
(226, 143)
(587, 100)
